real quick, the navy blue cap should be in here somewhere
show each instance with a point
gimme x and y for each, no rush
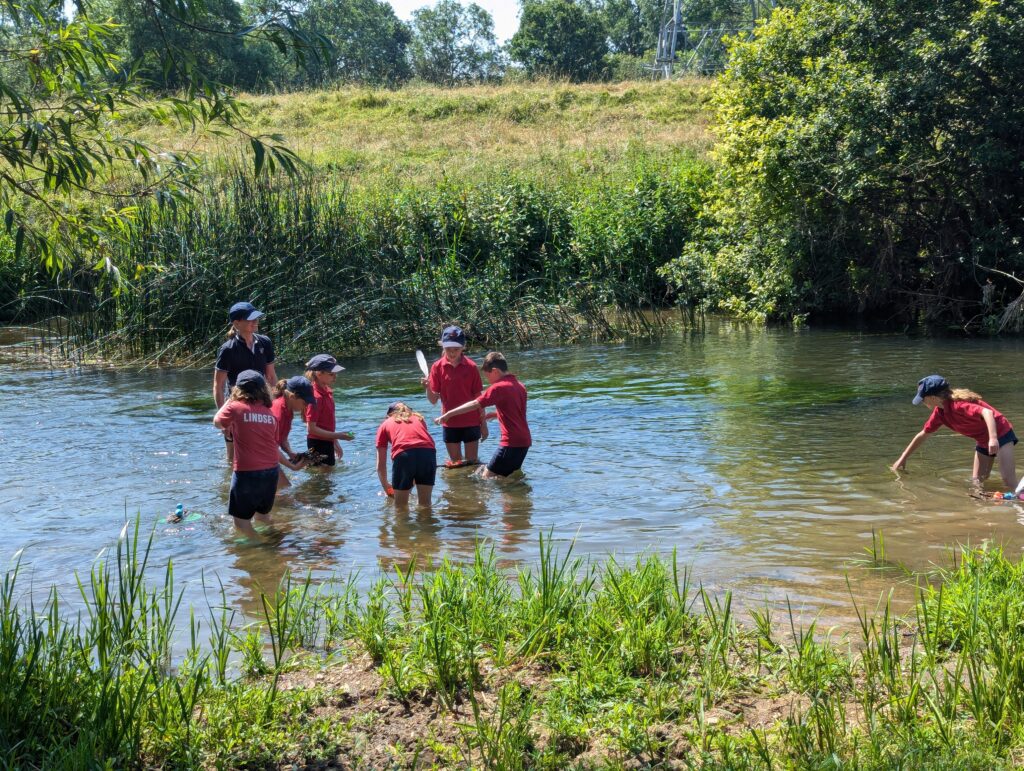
(453, 337)
(302, 388)
(393, 406)
(930, 386)
(244, 312)
(324, 362)
(250, 379)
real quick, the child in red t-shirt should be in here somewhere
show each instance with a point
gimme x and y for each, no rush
(290, 396)
(254, 430)
(455, 380)
(966, 413)
(508, 396)
(322, 370)
(413, 455)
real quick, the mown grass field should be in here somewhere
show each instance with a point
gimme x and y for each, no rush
(421, 134)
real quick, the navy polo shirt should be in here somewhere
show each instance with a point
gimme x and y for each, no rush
(235, 356)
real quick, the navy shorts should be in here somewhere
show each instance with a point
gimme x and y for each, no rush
(323, 446)
(252, 492)
(1006, 438)
(458, 435)
(507, 459)
(415, 466)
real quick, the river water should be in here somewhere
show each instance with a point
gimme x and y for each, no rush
(760, 456)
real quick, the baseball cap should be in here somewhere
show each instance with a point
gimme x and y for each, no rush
(453, 337)
(250, 379)
(324, 362)
(393, 406)
(244, 312)
(930, 386)
(302, 388)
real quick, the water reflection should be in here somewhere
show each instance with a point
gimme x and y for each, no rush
(760, 456)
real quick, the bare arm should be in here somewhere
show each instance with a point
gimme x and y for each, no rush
(320, 433)
(382, 469)
(460, 410)
(432, 396)
(220, 379)
(993, 436)
(271, 375)
(916, 442)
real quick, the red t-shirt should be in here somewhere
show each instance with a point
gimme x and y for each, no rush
(254, 429)
(457, 384)
(509, 397)
(283, 413)
(404, 436)
(965, 418)
(322, 413)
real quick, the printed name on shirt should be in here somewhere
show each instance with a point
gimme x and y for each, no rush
(256, 417)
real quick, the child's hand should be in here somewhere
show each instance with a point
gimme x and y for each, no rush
(348, 436)
(424, 381)
(337, 449)
(993, 446)
(439, 421)
(897, 466)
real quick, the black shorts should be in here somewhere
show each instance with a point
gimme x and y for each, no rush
(323, 446)
(415, 466)
(1006, 438)
(507, 459)
(252, 492)
(458, 435)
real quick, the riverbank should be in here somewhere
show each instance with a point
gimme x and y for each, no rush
(566, 663)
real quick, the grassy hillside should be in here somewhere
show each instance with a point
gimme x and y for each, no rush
(419, 134)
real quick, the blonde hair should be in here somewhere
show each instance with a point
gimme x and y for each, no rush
(261, 395)
(961, 395)
(404, 414)
(281, 388)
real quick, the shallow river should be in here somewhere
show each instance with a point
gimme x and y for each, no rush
(760, 456)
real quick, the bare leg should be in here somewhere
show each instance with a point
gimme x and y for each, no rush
(262, 518)
(1007, 466)
(454, 450)
(472, 451)
(982, 466)
(282, 480)
(402, 499)
(423, 493)
(244, 526)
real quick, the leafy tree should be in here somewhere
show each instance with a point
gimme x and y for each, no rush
(562, 39)
(369, 44)
(71, 172)
(870, 162)
(454, 43)
(632, 25)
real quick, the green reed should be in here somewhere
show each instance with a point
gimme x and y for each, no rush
(560, 663)
(516, 260)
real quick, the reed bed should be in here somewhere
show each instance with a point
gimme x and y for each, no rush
(513, 260)
(566, 663)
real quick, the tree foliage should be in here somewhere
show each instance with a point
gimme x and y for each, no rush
(71, 173)
(870, 161)
(561, 39)
(454, 43)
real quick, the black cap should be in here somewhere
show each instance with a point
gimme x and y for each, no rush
(324, 362)
(302, 388)
(250, 380)
(930, 386)
(244, 312)
(453, 337)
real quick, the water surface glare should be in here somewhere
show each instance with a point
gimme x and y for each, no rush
(760, 456)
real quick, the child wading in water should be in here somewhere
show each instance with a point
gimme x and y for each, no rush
(508, 396)
(966, 413)
(322, 370)
(290, 396)
(254, 429)
(413, 455)
(455, 380)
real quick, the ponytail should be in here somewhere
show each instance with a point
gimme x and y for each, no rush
(280, 388)
(964, 395)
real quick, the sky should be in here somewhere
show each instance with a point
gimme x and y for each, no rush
(505, 13)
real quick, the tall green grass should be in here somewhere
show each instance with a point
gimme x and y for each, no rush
(564, 663)
(513, 259)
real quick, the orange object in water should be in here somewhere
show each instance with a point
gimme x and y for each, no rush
(390, 492)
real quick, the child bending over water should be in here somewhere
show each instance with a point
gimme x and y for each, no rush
(253, 426)
(290, 396)
(966, 413)
(413, 455)
(508, 396)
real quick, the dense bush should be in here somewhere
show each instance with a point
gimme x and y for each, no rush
(370, 269)
(870, 162)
